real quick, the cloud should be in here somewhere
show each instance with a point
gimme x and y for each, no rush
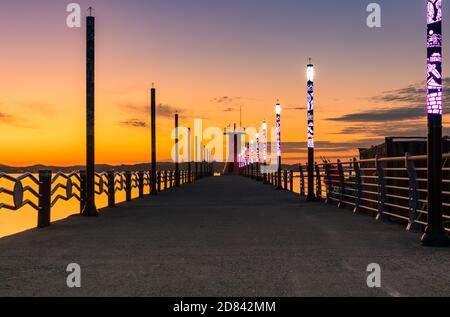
(225, 100)
(407, 103)
(166, 110)
(136, 123)
(384, 114)
(5, 118)
(295, 108)
(330, 146)
(412, 94)
(162, 110)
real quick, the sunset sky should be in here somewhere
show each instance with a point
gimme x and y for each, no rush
(207, 58)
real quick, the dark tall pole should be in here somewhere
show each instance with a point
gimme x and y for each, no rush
(278, 113)
(89, 209)
(177, 167)
(189, 156)
(434, 233)
(153, 190)
(196, 157)
(310, 86)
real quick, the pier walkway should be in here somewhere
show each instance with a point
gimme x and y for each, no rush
(222, 236)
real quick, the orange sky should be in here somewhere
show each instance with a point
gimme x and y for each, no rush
(196, 60)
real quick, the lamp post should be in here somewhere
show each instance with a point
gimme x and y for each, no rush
(257, 156)
(177, 167)
(153, 190)
(90, 210)
(264, 150)
(278, 118)
(189, 156)
(196, 157)
(310, 86)
(434, 233)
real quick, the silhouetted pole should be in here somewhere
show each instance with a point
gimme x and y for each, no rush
(310, 85)
(189, 156)
(196, 157)
(89, 209)
(153, 181)
(434, 233)
(278, 113)
(177, 167)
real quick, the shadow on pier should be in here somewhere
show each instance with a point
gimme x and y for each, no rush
(222, 236)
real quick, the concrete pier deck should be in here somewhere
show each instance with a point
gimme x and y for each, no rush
(222, 236)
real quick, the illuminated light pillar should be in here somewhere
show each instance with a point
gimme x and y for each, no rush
(90, 209)
(264, 150)
(177, 167)
(310, 85)
(247, 160)
(434, 233)
(278, 118)
(257, 156)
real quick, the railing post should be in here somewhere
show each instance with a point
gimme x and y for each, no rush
(342, 183)
(291, 180)
(128, 176)
(358, 187)
(285, 180)
(189, 172)
(159, 180)
(170, 179)
(413, 201)
(302, 181)
(329, 186)
(82, 190)
(111, 175)
(165, 179)
(141, 184)
(45, 196)
(318, 182)
(264, 174)
(381, 189)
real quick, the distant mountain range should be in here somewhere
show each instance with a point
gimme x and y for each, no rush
(218, 167)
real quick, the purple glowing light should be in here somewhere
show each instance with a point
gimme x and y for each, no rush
(278, 112)
(264, 140)
(434, 57)
(310, 109)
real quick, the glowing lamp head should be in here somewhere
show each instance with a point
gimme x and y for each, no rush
(264, 125)
(310, 72)
(278, 109)
(257, 135)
